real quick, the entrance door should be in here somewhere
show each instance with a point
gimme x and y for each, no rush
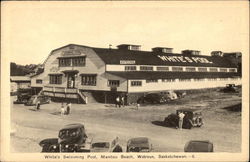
(71, 80)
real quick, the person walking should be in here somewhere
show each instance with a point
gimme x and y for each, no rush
(38, 105)
(181, 116)
(62, 109)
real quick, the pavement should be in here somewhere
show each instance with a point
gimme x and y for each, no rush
(105, 121)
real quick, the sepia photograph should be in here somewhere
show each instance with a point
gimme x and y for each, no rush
(117, 80)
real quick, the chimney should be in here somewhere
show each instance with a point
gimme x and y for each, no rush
(129, 47)
(162, 50)
(190, 52)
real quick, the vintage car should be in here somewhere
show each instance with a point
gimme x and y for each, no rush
(23, 95)
(192, 118)
(169, 95)
(139, 144)
(230, 88)
(71, 138)
(105, 146)
(199, 146)
(153, 98)
(35, 98)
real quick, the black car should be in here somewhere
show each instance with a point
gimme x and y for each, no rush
(192, 118)
(153, 98)
(23, 95)
(199, 146)
(71, 138)
(35, 98)
(230, 88)
(139, 144)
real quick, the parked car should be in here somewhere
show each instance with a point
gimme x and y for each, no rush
(199, 146)
(71, 138)
(192, 118)
(153, 98)
(22, 98)
(169, 95)
(35, 98)
(230, 88)
(106, 146)
(139, 144)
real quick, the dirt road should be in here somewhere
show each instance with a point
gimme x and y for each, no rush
(222, 126)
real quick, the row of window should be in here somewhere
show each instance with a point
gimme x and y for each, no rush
(174, 68)
(90, 80)
(67, 62)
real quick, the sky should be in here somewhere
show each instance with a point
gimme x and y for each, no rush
(31, 30)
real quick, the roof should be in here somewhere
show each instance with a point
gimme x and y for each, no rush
(139, 142)
(153, 58)
(20, 79)
(72, 126)
(171, 75)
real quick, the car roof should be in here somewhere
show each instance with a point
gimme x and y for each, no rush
(190, 109)
(72, 126)
(139, 142)
(199, 141)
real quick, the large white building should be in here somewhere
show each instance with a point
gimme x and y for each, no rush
(82, 73)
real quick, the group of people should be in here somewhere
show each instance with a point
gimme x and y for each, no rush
(65, 111)
(120, 101)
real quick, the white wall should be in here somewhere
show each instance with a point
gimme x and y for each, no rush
(177, 85)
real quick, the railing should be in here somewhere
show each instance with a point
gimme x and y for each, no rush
(60, 89)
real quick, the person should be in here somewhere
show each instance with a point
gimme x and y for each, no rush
(38, 105)
(123, 101)
(62, 109)
(68, 108)
(117, 101)
(181, 116)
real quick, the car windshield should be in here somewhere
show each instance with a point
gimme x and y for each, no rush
(100, 145)
(66, 133)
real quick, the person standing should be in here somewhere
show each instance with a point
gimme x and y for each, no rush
(38, 105)
(181, 116)
(62, 109)
(117, 101)
(123, 101)
(68, 108)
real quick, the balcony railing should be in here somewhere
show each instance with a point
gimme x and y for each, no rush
(60, 89)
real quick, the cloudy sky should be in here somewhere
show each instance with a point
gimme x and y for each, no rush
(30, 30)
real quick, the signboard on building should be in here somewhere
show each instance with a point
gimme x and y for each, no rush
(185, 59)
(127, 62)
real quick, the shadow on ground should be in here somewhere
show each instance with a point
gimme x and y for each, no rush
(161, 123)
(234, 108)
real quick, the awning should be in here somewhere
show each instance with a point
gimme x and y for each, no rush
(70, 71)
(55, 74)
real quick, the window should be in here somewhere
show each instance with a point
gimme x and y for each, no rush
(162, 68)
(233, 70)
(89, 79)
(168, 80)
(136, 83)
(39, 81)
(190, 69)
(212, 79)
(151, 81)
(198, 80)
(223, 69)
(75, 61)
(202, 69)
(146, 68)
(113, 83)
(55, 79)
(80, 61)
(185, 80)
(213, 69)
(177, 68)
(64, 62)
(130, 68)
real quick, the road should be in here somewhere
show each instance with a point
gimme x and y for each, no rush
(103, 121)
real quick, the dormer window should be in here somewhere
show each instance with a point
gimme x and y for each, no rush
(72, 61)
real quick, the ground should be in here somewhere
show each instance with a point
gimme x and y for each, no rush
(221, 114)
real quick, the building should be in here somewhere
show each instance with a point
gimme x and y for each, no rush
(19, 82)
(88, 74)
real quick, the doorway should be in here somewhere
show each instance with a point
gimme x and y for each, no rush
(71, 80)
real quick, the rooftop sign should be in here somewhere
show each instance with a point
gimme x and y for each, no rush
(127, 62)
(185, 59)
